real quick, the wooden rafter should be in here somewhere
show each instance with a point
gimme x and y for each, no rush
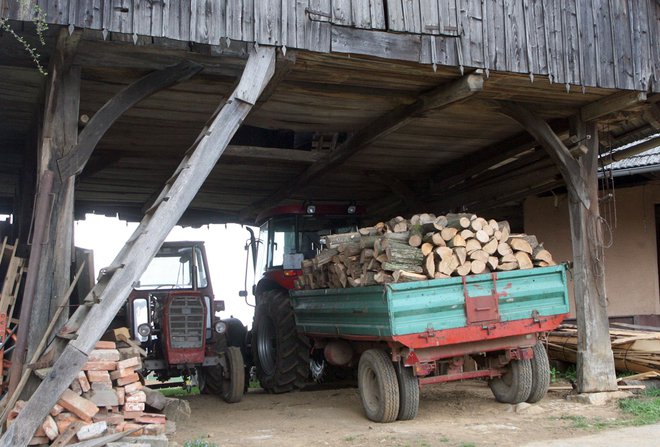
(439, 97)
(611, 104)
(74, 162)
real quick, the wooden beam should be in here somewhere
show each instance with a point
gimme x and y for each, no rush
(542, 132)
(74, 162)
(636, 149)
(399, 188)
(439, 97)
(611, 104)
(272, 154)
(109, 295)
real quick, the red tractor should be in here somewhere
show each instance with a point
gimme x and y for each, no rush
(172, 313)
(282, 357)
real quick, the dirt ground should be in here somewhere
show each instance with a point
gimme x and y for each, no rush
(457, 414)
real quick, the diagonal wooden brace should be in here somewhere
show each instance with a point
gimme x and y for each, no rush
(543, 133)
(137, 254)
(74, 162)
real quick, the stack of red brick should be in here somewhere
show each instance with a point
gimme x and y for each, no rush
(106, 398)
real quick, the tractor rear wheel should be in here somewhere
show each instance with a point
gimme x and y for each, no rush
(280, 354)
(227, 382)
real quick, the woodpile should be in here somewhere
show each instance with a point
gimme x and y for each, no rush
(422, 247)
(634, 350)
(106, 398)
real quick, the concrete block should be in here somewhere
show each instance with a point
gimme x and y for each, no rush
(155, 398)
(598, 398)
(92, 431)
(177, 410)
(104, 398)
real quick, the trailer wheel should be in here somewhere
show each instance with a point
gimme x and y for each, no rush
(515, 385)
(280, 354)
(408, 393)
(540, 374)
(229, 383)
(379, 389)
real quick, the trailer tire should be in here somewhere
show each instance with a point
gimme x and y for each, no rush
(515, 385)
(378, 385)
(280, 354)
(229, 384)
(408, 393)
(540, 373)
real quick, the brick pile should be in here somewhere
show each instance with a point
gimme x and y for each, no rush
(107, 397)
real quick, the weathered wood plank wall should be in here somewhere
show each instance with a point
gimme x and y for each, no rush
(595, 43)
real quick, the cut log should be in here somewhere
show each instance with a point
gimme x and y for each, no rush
(324, 257)
(523, 260)
(509, 257)
(383, 277)
(461, 254)
(429, 265)
(504, 249)
(479, 255)
(444, 252)
(478, 267)
(472, 245)
(448, 233)
(368, 241)
(520, 244)
(506, 266)
(439, 275)
(541, 254)
(449, 265)
(427, 247)
(467, 234)
(393, 267)
(482, 236)
(491, 246)
(398, 224)
(440, 222)
(494, 225)
(438, 240)
(398, 252)
(459, 221)
(415, 238)
(456, 241)
(493, 262)
(476, 225)
(465, 269)
(505, 229)
(335, 240)
(405, 276)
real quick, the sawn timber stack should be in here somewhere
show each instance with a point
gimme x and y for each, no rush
(422, 247)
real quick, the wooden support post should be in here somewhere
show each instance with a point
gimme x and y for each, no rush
(134, 258)
(595, 363)
(59, 135)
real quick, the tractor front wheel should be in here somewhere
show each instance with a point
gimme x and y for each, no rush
(280, 354)
(228, 381)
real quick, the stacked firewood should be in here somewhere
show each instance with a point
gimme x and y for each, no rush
(422, 247)
(107, 397)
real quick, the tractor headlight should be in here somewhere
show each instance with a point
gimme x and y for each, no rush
(144, 330)
(220, 327)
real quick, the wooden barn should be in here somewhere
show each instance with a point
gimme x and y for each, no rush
(209, 111)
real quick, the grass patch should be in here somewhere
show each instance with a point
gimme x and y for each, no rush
(644, 409)
(199, 443)
(178, 391)
(467, 444)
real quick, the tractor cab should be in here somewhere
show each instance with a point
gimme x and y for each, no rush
(292, 233)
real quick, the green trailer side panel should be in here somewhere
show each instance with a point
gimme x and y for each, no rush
(414, 307)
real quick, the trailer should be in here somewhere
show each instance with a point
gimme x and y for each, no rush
(406, 335)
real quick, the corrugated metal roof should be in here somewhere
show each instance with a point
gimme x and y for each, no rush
(646, 159)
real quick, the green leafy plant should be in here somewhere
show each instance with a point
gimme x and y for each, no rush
(39, 20)
(199, 443)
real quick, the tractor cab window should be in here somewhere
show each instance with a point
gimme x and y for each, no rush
(172, 268)
(282, 239)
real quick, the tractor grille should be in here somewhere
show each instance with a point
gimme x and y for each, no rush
(186, 325)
